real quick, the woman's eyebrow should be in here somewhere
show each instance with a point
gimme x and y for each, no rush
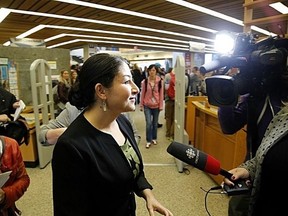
(126, 75)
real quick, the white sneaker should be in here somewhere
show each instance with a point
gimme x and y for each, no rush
(148, 145)
(154, 142)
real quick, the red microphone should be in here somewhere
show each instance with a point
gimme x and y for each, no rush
(197, 158)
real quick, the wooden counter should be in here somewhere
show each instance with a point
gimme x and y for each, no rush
(205, 134)
(30, 151)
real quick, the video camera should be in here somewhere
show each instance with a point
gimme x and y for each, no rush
(261, 65)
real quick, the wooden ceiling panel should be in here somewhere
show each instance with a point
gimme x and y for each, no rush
(16, 24)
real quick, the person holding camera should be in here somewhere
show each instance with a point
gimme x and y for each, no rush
(261, 110)
(262, 170)
(256, 112)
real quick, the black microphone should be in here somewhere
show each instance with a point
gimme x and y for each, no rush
(197, 158)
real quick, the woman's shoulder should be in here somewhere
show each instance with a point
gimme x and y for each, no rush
(158, 79)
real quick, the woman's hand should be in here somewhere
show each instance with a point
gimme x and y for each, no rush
(237, 173)
(153, 205)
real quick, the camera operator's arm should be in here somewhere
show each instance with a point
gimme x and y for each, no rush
(232, 119)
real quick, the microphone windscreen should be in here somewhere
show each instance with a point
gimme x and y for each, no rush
(212, 165)
(194, 157)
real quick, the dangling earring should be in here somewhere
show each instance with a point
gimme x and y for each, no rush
(104, 106)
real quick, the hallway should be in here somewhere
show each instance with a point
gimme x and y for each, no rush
(180, 192)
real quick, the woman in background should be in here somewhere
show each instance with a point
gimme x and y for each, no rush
(73, 75)
(151, 101)
(96, 163)
(137, 78)
(64, 86)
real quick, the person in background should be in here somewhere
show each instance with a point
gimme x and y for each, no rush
(161, 73)
(151, 101)
(75, 67)
(137, 78)
(169, 106)
(17, 129)
(49, 133)
(18, 181)
(64, 86)
(195, 81)
(8, 105)
(144, 73)
(102, 169)
(73, 75)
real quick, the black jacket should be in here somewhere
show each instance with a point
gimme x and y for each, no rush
(7, 99)
(91, 173)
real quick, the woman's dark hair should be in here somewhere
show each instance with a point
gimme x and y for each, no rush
(100, 68)
(153, 65)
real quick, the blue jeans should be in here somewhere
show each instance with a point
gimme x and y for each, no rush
(151, 118)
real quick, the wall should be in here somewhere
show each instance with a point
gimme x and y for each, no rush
(23, 58)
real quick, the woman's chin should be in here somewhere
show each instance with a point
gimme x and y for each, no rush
(132, 107)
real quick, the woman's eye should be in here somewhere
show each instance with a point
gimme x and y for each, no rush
(127, 82)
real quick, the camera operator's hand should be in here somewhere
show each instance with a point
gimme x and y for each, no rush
(238, 173)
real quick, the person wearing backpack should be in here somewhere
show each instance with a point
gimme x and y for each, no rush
(169, 81)
(151, 102)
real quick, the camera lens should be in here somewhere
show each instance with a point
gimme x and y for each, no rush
(221, 90)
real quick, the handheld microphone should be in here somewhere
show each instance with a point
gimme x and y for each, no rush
(197, 158)
(206, 163)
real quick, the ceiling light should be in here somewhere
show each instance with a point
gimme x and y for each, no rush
(31, 31)
(107, 23)
(7, 43)
(217, 14)
(280, 7)
(133, 13)
(207, 11)
(117, 42)
(115, 33)
(113, 38)
(4, 12)
(100, 31)
(54, 37)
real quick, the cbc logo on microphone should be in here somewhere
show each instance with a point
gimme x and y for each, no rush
(190, 153)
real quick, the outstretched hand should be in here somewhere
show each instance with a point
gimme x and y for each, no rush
(153, 205)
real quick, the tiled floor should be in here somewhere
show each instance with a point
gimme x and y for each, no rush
(180, 192)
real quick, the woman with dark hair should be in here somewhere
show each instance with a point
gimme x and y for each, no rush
(151, 101)
(96, 163)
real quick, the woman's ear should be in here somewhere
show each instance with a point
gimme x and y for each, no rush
(100, 91)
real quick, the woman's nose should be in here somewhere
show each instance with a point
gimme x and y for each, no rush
(135, 88)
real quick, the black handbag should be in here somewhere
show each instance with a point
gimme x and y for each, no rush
(17, 130)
